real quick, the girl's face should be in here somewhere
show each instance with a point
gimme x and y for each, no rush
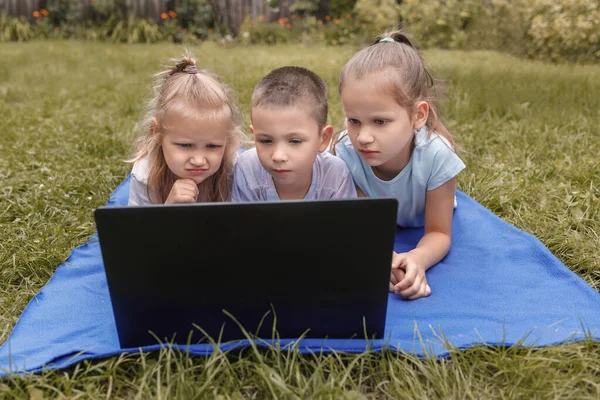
(194, 148)
(380, 129)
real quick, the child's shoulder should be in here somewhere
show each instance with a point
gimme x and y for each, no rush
(344, 148)
(431, 141)
(140, 170)
(247, 157)
(328, 159)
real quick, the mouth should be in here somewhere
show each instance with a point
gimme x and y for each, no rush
(368, 152)
(281, 171)
(196, 171)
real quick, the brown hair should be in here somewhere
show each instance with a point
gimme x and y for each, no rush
(287, 86)
(198, 94)
(408, 77)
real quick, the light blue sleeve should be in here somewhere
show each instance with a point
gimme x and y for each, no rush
(445, 165)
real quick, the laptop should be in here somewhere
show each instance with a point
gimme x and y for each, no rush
(185, 273)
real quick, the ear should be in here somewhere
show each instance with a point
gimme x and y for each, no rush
(421, 114)
(326, 133)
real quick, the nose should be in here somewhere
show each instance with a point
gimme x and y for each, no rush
(279, 155)
(198, 160)
(364, 137)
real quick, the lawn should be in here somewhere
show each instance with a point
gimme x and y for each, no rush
(531, 139)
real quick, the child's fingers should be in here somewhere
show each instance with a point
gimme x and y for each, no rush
(397, 260)
(424, 291)
(408, 280)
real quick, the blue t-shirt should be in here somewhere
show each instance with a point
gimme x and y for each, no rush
(433, 162)
(331, 179)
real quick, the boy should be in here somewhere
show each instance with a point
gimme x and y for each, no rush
(289, 124)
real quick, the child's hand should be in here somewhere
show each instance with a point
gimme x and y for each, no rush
(414, 282)
(183, 191)
(396, 276)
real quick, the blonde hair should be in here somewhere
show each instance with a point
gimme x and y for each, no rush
(403, 69)
(197, 94)
(293, 86)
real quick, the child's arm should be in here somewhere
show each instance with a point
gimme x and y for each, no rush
(435, 244)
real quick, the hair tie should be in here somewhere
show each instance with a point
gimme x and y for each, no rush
(387, 40)
(191, 70)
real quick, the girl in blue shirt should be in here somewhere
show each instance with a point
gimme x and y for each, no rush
(396, 146)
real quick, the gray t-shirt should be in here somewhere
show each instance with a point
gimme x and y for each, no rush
(331, 179)
(433, 162)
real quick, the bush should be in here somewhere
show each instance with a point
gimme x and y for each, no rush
(254, 31)
(136, 30)
(565, 30)
(195, 17)
(16, 29)
(341, 31)
(442, 23)
(376, 16)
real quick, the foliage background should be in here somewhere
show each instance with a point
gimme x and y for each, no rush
(551, 30)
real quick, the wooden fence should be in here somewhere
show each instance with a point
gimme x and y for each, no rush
(230, 13)
(151, 9)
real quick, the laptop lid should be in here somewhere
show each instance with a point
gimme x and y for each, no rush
(317, 268)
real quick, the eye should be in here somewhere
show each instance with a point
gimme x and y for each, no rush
(295, 141)
(265, 141)
(213, 146)
(353, 121)
(380, 121)
(184, 145)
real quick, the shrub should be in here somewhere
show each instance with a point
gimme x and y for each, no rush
(15, 29)
(442, 23)
(195, 17)
(565, 30)
(376, 16)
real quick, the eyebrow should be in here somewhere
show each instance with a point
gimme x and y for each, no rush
(286, 136)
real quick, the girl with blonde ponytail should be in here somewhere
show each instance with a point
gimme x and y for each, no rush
(189, 139)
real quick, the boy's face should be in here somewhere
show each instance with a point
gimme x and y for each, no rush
(287, 141)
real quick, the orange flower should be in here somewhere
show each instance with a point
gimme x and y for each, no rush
(327, 17)
(172, 14)
(209, 30)
(36, 14)
(56, 29)
(44, 12)
(336, 21)
(183, 30)
(347, 16)
(164, 16)
(293, 16)
(289, 26)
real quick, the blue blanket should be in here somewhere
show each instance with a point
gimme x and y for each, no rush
(497, 286)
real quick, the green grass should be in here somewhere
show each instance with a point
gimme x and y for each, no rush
(531, 137)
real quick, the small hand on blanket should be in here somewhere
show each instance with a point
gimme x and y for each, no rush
(408, 279)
